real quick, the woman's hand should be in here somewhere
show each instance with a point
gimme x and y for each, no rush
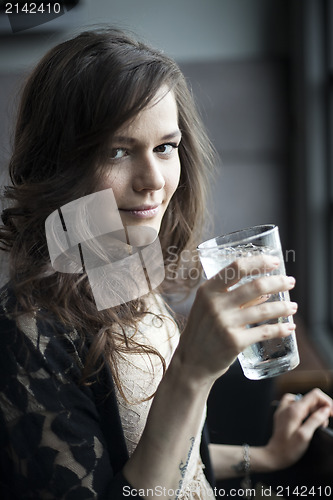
(295, 422)
(216, 330)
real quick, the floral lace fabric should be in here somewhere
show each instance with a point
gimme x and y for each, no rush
(140, 378)
(51, 443)
(197, 487)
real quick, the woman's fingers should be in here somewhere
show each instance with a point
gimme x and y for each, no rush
(316, 419)
(286, 400)
(315, 407)
(264, 312)
(315, 400)
(264, 332)
(261, 287)
(251, 267)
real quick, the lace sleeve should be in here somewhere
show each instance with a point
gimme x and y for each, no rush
(51, 442)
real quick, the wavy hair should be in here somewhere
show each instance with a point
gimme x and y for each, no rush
(76, 98)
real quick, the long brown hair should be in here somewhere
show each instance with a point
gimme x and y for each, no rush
(79, 94)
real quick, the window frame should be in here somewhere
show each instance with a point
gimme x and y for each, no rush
(312, 168)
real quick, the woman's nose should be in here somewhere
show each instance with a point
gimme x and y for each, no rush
(148, 174)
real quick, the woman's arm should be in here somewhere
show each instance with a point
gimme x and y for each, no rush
(294, 425)
(214, 335)
(164, 450)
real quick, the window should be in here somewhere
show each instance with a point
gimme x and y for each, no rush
(311, 208)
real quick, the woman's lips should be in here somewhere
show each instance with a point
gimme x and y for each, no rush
(145, 212)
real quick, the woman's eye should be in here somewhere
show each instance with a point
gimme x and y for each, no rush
(118, 153)
(166, 149)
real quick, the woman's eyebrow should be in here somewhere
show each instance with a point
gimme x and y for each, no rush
(132, 140)
(173, 135)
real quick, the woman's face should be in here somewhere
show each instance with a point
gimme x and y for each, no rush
(144, 166)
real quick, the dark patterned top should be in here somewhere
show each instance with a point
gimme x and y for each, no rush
(58, 439)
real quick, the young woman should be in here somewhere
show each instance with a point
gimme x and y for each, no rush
(110, 402)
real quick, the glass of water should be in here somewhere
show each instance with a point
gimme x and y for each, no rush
(270, 357)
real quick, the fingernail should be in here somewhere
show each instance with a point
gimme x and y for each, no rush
(275, 261)
(291, 327)
(293, 306)
(291, 280)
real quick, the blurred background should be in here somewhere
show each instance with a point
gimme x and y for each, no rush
(261, 72)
